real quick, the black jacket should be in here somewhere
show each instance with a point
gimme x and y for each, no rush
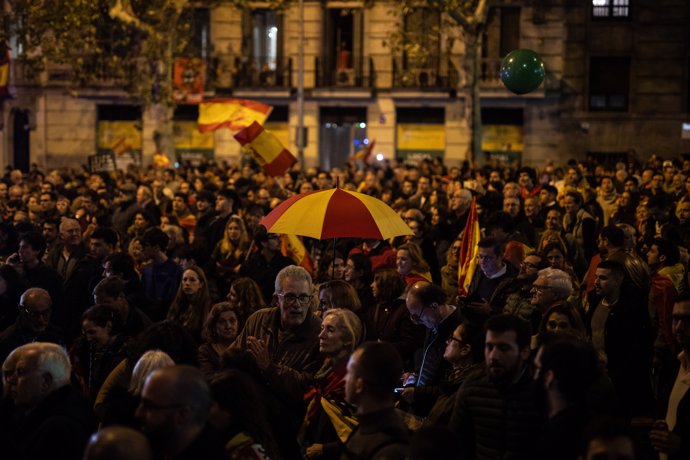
(493, 422)
(58, 428)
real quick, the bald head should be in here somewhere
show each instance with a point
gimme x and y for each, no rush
(33, 295)
(427, 293)
(35, 308)
(181, 385)
(118, 443)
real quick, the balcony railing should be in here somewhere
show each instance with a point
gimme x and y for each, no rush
(434, 74)
(361, 75)
(490, 73)
(259, 73)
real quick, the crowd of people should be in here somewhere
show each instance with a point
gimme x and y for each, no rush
(148, 314)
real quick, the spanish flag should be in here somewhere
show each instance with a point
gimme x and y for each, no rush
(4, 73)
(291, 246)
(364, 154)
(267, 149)
(234, 114)
(468, 251)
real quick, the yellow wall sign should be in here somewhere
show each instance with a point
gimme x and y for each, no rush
(118, 136)
(502, 138)
(421, 137)
(187, 136)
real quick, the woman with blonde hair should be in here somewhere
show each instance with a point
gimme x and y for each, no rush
(123, 401)
(230, 251)
(411, 264)
(341, 333)
(192, 302)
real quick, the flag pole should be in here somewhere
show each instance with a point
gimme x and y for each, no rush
(300, 87)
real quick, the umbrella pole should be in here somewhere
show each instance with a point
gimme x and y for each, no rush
(333, 263)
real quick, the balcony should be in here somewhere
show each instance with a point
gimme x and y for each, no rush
(256, 74)
(436, 75)
(361, 75)
(490, 74)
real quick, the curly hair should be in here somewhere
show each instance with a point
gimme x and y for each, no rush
(209, 333)
(249, 298)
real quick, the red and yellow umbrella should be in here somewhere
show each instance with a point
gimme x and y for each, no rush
(335, 213)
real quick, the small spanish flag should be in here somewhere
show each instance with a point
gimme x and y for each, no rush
(267, 149)
(234, 114)
(291, 246)
(4, 73)
(469, 250)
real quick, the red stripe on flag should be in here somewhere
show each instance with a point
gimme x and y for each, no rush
(249, 133)
(339, 214)
(281, 164)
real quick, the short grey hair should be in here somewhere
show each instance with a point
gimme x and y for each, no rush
(558, 280)
(51, 359)
(295, 272)
(149, 362)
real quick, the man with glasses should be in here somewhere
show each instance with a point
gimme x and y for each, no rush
(519, 300)
(33, 323)
(284, 339)
(552, 286)
(53, 419)
(427, 305)
(173, 411)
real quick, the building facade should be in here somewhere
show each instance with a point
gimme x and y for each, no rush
(616, 83)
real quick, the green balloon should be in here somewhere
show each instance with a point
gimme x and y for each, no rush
(522, 71)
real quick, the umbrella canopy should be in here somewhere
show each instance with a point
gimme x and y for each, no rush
(335, 213)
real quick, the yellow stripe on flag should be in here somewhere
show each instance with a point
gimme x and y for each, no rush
(4, 74)
(269, 146)
(267, 149)
(468, 251)
(234, 114)
(292, 247)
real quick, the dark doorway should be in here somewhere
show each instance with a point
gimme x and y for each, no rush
(20, 139)
(343, 132)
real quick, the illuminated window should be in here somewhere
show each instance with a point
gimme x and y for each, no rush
(610, 8)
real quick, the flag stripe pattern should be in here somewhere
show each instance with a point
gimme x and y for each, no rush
(292, 247)
(234, 114)
(273, 157)
(468, 250)
(335, 213)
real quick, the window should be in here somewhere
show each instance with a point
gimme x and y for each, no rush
(265, 35)
(609, 83)
(610, 8)
(422, 30)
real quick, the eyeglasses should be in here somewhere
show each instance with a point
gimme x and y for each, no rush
(454, 339)
(301, 299)
(540, 288)
(34, 314)
(528, 265)
(417, 317)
